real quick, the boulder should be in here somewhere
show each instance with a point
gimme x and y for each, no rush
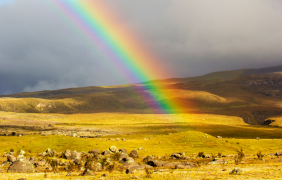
(134, 154)
(67, 154)
(128, 171)
(95, 166)
(75, 155)
(123, 150)
(106, 152)
(147, 159)
(21, 166)
(11, 158)
(129, 165)
(51, 153)
(236, 171)
(113, 149)
(156, 163)
(87, 172)
(96, 152)
(127, 160)
(169, 165)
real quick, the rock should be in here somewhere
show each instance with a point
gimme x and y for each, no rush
(75, 155)
(22, 152)
(20, 157)
(236, 171)
(106, 152)
(77, 162)
(127, 160)
(32, 160)
(219, 137)
(122, 156)
(134, 154)
(178, 155)
(123, 150)
(40, 163)
(96, 152)
(148, 159)
(128, 171)
(87, 172)
(11, 158)
(113, 149)
(129, 165)
(169, 165)
(21, 166)
(51, 153)
(156, 163)
(95, 166)
(67, 154)
(123, 139)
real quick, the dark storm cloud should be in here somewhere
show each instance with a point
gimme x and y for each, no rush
(40, 48)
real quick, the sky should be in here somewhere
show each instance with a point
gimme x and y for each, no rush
(42, 49)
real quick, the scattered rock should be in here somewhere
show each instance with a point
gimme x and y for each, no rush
(156, 163)
(236, 171)
(21, 166)
(134, 154)
(113, 149)
(87, 172)
(106, 152)
(123, 150)
(128, 171)
(11, 158)
(94, 151)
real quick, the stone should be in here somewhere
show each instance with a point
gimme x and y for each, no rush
(123, 150)
(127, 160)
(96, 152)
(129, 165)
(75, 155)
(11, 158)
(95, 166)
(22, 152)
(87, 172)
(236, 171)
(134, 154)
(169, 165)
(156, 163)
(21, 166)
(67, 154)
(148, 159)
(128, 171)
(106, 152)
(51, 153)
(113, 149)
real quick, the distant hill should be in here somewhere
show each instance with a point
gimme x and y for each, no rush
(248, 93)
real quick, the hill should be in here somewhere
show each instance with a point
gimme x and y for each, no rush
(253, 94)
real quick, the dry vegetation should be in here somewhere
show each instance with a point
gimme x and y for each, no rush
(217, 107)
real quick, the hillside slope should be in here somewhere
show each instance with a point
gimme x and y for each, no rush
(249, 93)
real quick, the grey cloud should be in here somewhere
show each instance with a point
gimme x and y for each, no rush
(41, 48)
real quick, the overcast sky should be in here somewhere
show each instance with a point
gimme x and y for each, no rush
(41, 49)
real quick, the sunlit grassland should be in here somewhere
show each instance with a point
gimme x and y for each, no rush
(157, 134)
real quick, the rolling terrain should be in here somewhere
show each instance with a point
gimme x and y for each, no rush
(253, 94)
(223, 113)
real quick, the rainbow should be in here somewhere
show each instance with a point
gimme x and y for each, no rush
(123, 48)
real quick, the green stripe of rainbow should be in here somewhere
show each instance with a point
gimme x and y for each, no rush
(122, 47)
